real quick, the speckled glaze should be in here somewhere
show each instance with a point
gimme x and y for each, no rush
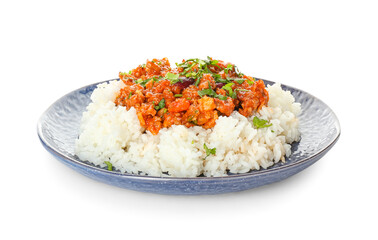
(58, 128)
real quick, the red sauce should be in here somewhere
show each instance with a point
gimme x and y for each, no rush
(195, 93)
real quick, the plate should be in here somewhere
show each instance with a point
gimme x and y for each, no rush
(59, 125)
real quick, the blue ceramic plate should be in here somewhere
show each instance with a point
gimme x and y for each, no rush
(58, 128)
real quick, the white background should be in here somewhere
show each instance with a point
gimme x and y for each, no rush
(327, 48)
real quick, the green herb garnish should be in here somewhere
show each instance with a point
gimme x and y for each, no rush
(197, 82)
(211, 93)
(209, 151)
(229, 67)
(203, 66)
(238, 80)
(129, 95)
(178, 95)
(187, 69)
(250, 82)
(207, 91)
(174, 78)
(221, 97)
(228, 88)
(143, 82)
(221, 80)
(160, 105)
(260, 123)
(110, 166)
(218, 78)
(213, 62)
(238, 72)
(241, 90)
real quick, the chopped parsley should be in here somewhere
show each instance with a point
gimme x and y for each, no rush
(124, 73)
(143, 82)
(221, 80)
(232, 93)
(228, 88)
(212, 62)
(110, 166)
(242, 90)
(209, 151)
(211, 93)
(229, 67)
(160, 105)
(218, 78)
(238, 72)
(188, 68)
(197, 82)
(174, 78)
(178, 95)
(221, 97)
(260, 123)
(195, 68)
(206, 91)
(238, 80)
(202, 66)
(250, 82)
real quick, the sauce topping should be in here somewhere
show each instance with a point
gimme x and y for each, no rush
(195, 93)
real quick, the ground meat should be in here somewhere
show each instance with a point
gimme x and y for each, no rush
(162, 101)
(205, 81)
(225, 107)
(179, 105)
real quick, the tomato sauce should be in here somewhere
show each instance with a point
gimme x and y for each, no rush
(195, 93)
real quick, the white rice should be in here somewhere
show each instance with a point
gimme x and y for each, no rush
(111, 133)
